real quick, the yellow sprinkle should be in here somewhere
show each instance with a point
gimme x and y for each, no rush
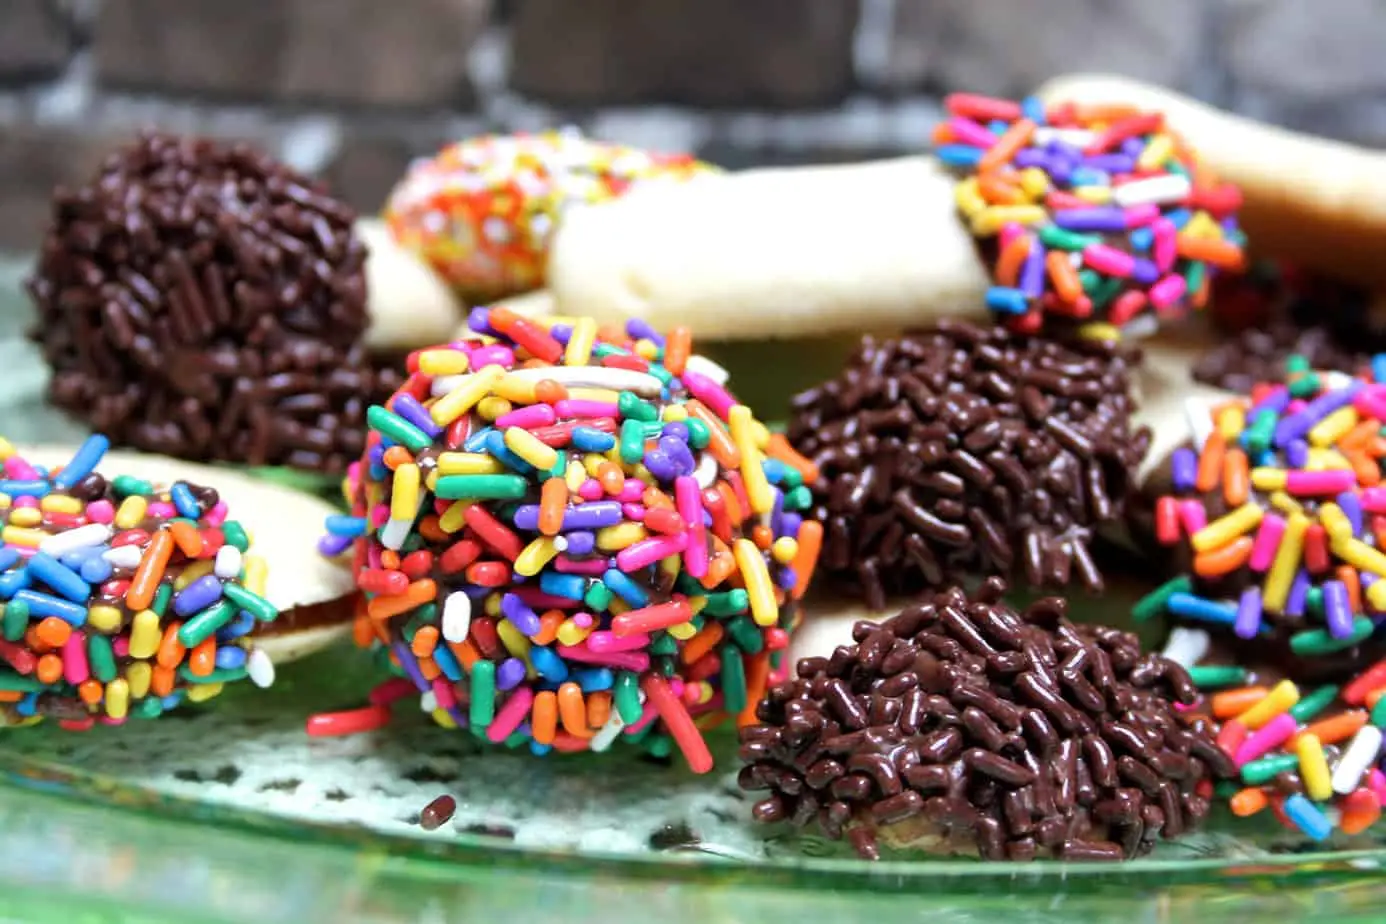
(548, 320)
(5, 501)
(454, 518)
(201, 692)
(29, 538)
(990, 221)
(530, 448)
(1335, 522)
(592, 462)
(1287, 558)
(1227, 528)
(1268, 479)
(1360, 555)
(584, 393)
(131, 511)
(1376, 596)
(513, 639)
(1313, 768)
(1034, 182)
(138, 675)
(6, 449)
(756, 575)
(615, 538)
(404, 495)
(443, 719)
(968, 198)
(515, 389)
(1333, 427)
(683, 631)
(256, 573)
(26, 516)
(1285, 503)
(579, 349)
(570, 633)
(535, 556)
(1099, 331)
(1231, 421)
(192, 572)
(443, 362)
(465, 396)
(784, 549)
(104, 618)
(469, 463)
(490, 407)
(1278, 700)
(697, 604)
(60, 503)
(758, 490)
(617, 606)
(117, 698)
(1097, 195)
(674, 413)
(492, 605)
(575, 475)
(1202, 225)
(1156, 153)
(1323, 459)
(761, 433)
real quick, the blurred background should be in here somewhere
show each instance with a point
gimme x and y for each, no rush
(353, 89)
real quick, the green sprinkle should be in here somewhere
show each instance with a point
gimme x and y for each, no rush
(203, 624)
(251, 602)
(16, 621)
(18, 683)
(1206, 678)
(1061, 239)
(394, 427)
(1226, 789)
(480, 487)
(664, 644)
(412, 544)
(1319, 642)
(605, 349)
(220, 675)
(1264, 770)
(626, 697)
(689, 586)
(746, 634)
(101, 657)
(515, 739)
(733, 679)
(1090, 280)
(1314, 703)
(1298, 363)
(801, 498)
(559, 469)
(428, 612)
(1193, 276)
(1304, 386)
(1313, 601)
(151, 707)
(598, 597)
(126, 485)
(791, 479)
(235, 534)
(630, 406)
(1153, 604)
(659, 372)
(727, 603)
(659, 745)
(1262, 430)
(698, 433)
(666, 666)
(162, 596)
(632, 442)
(1108, 289)
(483, 709)
(1378, 716)
(654, 431)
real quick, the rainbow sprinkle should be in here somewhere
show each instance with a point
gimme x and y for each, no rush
(568, 535)
(1097, 212)
(120, 598)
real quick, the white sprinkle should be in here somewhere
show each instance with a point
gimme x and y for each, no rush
(1186, 647)
(607, 733)
(395, 532)
(1078, 137)
(80, 538)
(642, 383)
(560, 543)
(1140, 326)
(1334, 380)
(126, 557)
(1075, 259)
(428, 701)
(1199, 421)
(1357, 758)
(457, 617)
(706, 472)
(704, 366)
(446, 384)
(228, 563)
(1159, 190)
(260, 668)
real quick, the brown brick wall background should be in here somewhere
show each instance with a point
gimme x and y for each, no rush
(353, 89)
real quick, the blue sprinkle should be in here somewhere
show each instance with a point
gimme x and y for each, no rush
(590, 439)
(230, 657)
(64, 581)
(1142, 239)
(1032, 108)
(41, 605)
(1179, 217)
(1308, 817)
(33, 487)
(447, 663)
(96, 570)
(547, 664)
(339, 524)
(998, 127)
(620, 584)
(27, 706)
(83, 462)
(13, 581)
(183, 499)
(9, 557)
(237, 627)
(537, 749)
(774, 470)
(495, 445)
(1007, 300)
(476, 442)
(1201, 609)
(1087, 176)
(558, 584)
(591, 679)
(958, 155)
(1379, 367)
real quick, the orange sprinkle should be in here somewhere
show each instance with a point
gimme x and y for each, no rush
(170, 652)
(1348, 575)
(553, 502)
(1236, 482)
(1365, 467)
(425, 640)
(547, 391)
(53, 632)
(11, 696)
(719, 568)
(734, 511)
(1210, 462)
(942, 134)
(149, 572)
(543, 718)
(719, 445)
(1218, 562)
(1371, 698)
(999, 190)
(678, 346)
(1012, 257)
(572, 710)
(1105, 112)
(187, 537)
(1361, 809)
(161, 680)
(1201, 294)
(1005, 148)
(1234, 702)
(1358, 436)
(654, 499)
(762, 536)
(33, 642)
(416, 594)
(611, 477)
(810, 540)
(49, 669)
(1249, 801)
(396, 456)
(598, 708)
(362, 632)
(429, 669)
(779, 448)
(389, 560)
(549, 623)
(1218, 252)
(90, 691)
(1336, 728)
(429, 528)
(466, 653)
(706, 639)
(1067, 285)
(202, 660)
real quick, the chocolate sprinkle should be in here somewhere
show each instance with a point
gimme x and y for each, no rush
(961, 451)
(963, 725)
(207, 302)
(437, 813)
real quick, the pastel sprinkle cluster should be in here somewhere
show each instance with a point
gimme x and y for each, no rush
(120, 598)
(1098, 214)
(481, 211)
(568, 535)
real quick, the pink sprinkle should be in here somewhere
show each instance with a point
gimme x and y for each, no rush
(162, 510)
(1371, 402)
(1138, 216)
(632, 491)
(65, 520)
(584, 620)
(1328, 481)
(717, 399)
(493, 355)
(1109, 260)
(1266, 739)
(442, 692)
(395, 688)
(1193, 516)
(584, 407)
(1376, 782)
(75, 669)
(217, 515)
(121, 646)
(1009, 232)
(622, 660)
(110, 720)
(374, 550)
(1167, 291)
(1295, 406)
(634, 512)
(688, 500)
(26, 500)
(19, 470)
(604, 641)
(776, 639)
(1127, 306)
(101, 511)
(647, 552)
(970, 132)
(591, 490)
(527, 418)
(510, 715)
(588, 567)
(380, 515)
(1267, 542)
(646, 717)
(1166, 248)
(1374, 500)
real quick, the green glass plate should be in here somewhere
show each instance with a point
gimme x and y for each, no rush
(230, 812)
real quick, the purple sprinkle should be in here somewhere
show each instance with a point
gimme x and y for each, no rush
(459, 717)
(790, 524)
(1032, 271)
(678, 452)
(1133, 147)
(408, 407)
(1032, 157)
(1298, 424)
(1352, 509)
(676, 429)
(580, 543)
(1248, 620)
(1297, 453)
(1060, 171)
(1110, 163)
(1299, 592)
(479, 320)
(1184, 469)
(198, 595)
(411, 666)
(510, 673)
(376, 456)
(1276, 401)
(640, 329)
(1097, 218)
(777, 513)
(1063, 150)
(331, 546)
(561, 333)
(1144, 271)
(520, 615)
(584, 516)
(660, 465)
(785, 577)
(1337, 613)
